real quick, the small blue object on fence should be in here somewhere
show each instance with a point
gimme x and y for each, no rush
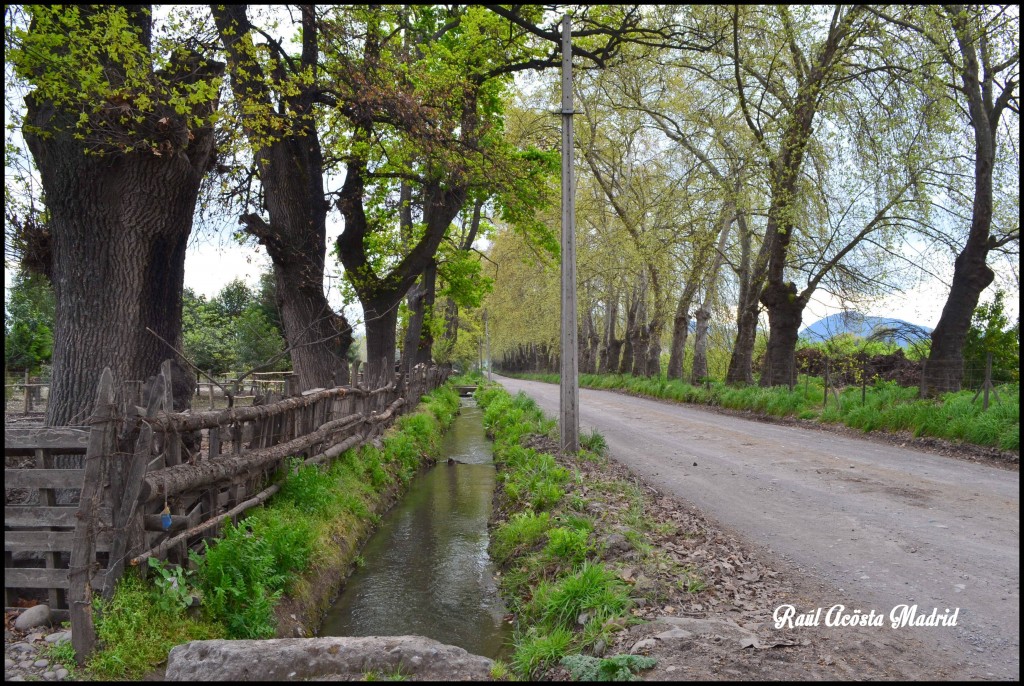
(165, 517)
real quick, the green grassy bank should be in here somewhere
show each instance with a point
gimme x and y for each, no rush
(281, 554)
(886, 405)
(550, 540)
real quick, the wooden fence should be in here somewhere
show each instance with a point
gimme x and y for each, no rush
(142, 464)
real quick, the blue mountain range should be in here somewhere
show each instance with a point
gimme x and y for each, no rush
(863, 326)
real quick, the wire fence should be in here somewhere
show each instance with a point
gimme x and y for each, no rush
(841, 372)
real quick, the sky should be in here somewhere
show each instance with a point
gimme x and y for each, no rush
(208, 268)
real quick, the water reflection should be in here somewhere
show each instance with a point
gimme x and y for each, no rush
(427, 571)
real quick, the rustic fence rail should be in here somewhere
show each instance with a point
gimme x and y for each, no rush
(152, 483)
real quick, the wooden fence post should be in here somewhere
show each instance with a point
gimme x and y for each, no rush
(127, 515)
(922, 390)
(864, 381)
(28, 396)
(987, 385)
(825, 404)
(83, 553)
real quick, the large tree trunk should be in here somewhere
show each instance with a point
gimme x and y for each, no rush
(589, 343)
(751, 276)
(612, 347)
(944, 370)
(119, 225)
(699, 370)
(680, 331)
(626, 362)
(418, 338)
(784, 173)
(741, 362)
(785, 309)
(654, 331)
(291, 171)
(381, 321)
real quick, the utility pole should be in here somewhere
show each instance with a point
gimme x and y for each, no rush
(487, 337)
(569, 419)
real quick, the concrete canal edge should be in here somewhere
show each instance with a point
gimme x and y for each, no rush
(327, 658)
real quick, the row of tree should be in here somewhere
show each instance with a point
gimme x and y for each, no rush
(389, 115)
(793, 145)
(783, 150)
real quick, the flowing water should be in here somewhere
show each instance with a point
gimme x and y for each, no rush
(426, 570)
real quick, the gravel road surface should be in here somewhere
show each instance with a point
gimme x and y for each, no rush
(878, 525)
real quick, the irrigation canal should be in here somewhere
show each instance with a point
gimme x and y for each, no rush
(426, 570)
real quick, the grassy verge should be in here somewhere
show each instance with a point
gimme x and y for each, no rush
(562, 535)
(278, 552)
(886, 407)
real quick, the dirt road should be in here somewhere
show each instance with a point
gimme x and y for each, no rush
(878, 525)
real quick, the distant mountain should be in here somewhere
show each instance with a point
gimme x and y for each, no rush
(863, 326)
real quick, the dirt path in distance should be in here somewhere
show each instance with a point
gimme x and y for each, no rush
(846, 521)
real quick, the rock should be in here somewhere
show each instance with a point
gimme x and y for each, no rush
(674, 633)
(9, 663)
(58, 636)
(33, 617)
(643, 584)
(616, 543)
(50, 676)
(41, 663)
(62, 674)
(716, 629)
(345, 657)
(644, 644)
(22, 647)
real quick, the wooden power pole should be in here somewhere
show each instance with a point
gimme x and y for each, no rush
(487, 338)
(569, 419)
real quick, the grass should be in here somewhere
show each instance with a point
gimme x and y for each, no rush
(136, 631)
(886, 407)
(563, 595)
(246, 571)
(61, 654)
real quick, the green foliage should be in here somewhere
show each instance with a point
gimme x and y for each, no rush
(614, 668)
(592, 588)
(991, 333)
(173, 585)
(567, 545)
(256, 341)
(594, 442)
(230, 332)
(205, 334)
(135, 631)
(532, 478)
(111, 90)
(551, 583)
(249, 568)
(28, 324)
(522, 530)
(62, 653)
(537, 649)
